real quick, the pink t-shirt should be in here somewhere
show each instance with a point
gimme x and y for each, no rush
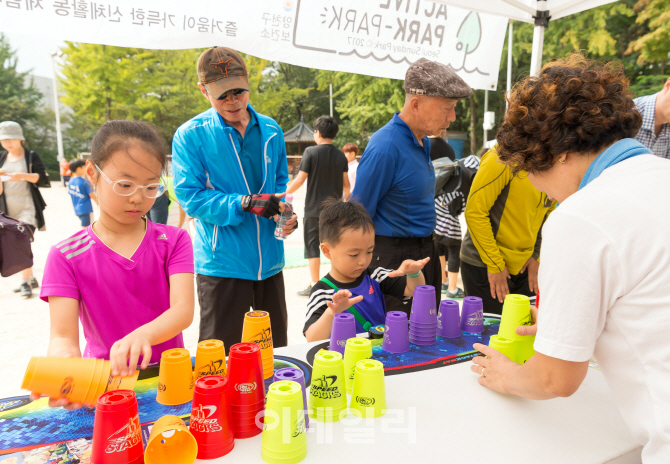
(116, 294)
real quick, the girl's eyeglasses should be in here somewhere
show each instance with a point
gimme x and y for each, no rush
(125, 188)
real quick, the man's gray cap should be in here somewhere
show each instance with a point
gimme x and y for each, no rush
(10, 130)
(432, 79)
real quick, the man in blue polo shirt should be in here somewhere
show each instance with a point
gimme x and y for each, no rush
(395, 180)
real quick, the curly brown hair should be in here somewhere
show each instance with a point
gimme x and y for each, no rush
(575, 105)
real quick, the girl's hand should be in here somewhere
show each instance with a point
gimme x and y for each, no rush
(57, 403)
(342, 301)
(126, 352)
(409, 267)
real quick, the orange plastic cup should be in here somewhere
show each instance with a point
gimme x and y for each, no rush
(95, 382)
(210, 359)
(175, 378)
(170, 441)
(257, 330)
(68, 378)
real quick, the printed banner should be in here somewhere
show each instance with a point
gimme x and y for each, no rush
(373, 37)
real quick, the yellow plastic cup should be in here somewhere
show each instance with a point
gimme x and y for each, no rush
(524, 350)
(515, 313)
(170, 442)
(368, 398)
(68, 378)
(257, 330)
(210, 359)
(175, 378)
(327, 392)
(503, 345)
(284, 439)
(355, 350)
(91, 398)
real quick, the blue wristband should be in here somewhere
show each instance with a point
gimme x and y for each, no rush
(412, 276)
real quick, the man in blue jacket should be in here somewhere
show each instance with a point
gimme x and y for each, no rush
(229, 167)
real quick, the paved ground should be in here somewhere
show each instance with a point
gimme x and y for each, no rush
(24, 330)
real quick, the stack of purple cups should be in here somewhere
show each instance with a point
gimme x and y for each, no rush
(472, 315)
(423, 319)
(343, 328)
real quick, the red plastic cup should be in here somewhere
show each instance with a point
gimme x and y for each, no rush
(211, 418)
(245, 384)
(117, 436)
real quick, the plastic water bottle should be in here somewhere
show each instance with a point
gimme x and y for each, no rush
(284, 217)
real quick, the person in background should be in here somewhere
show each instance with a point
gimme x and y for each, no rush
(501, 248)
(80, 192)
(65, 172)
(230, 172)
(395, 180)
(23, 173)
(325, 169)
(655, 131)
(350, 150)
(159, 211)
(440, 148)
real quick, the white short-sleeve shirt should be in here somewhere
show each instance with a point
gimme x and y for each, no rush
(605, 286)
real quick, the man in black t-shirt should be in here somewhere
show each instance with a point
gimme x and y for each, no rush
(325, 168)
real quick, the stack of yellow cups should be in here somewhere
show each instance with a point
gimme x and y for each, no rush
(355, 350)
(327, 393)
(257, 330)
(210, 359)
(284, 439)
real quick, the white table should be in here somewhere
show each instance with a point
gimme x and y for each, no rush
(445, 414)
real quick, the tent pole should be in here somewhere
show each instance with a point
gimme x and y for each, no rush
(509, 61)
(486, 109)
(331, 100)
(541, 22)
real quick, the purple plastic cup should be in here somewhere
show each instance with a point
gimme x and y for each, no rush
(449, 324)
(472, 315)
(396, 336)
(423, 326)
(296, 375)
(423, 342)
(344, 328)
(422, 336)
(424, 310)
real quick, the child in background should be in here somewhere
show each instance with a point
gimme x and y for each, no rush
(80, 192)
(129, 281)
(347, 236)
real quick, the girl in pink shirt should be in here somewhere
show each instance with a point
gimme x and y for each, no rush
(128, 280)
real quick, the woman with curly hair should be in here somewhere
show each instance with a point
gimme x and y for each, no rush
(605, 274)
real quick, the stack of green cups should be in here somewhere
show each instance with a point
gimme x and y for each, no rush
(503, 345)
(355, 350)
(327, 392)
(368, 399)
(515, 313)
(284, 439)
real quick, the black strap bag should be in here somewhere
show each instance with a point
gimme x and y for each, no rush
(15, 252)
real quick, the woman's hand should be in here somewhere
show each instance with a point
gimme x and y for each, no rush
(529, 329)
(15, 176)
(126, 352)
(409, 266)
(342, 301)
(498, 283)
(494, 370)
(533, 266)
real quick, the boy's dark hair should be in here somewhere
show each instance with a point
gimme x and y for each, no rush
(326, 126)
(76, 164)
(123, 134)
(338, 216)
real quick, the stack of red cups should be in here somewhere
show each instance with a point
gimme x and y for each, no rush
(246, 389)
(211, 418)
(117, 436)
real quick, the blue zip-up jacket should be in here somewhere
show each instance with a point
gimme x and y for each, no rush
(209, 183)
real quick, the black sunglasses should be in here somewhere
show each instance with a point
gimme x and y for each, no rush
(235, 92)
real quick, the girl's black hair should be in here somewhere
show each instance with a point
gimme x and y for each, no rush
(123, 134)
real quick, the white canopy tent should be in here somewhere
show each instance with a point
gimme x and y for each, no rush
(538, 12)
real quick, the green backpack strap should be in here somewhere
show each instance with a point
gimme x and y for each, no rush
(366, 325)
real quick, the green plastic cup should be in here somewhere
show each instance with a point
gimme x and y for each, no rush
(524, 350)
(368, 398)
(516, 312)
(284, 438)
(503, 345)
(327, 392)
(355, 350)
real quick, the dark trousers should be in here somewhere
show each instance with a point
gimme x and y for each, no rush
(390, 252)
(158, 213)
(476, 283)
(224, 302)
